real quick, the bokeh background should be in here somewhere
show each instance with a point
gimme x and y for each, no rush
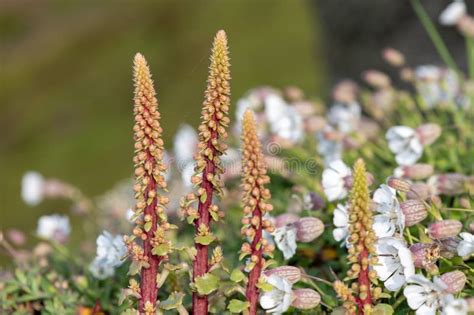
(65, 76)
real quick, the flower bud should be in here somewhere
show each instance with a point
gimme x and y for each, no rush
(448, 247)
(305, 299)
(443, 229)
(466, 25)
(345, 91)
(424, 254)
(285, 219)
(308, 229)
(470, 304)
(399, 184)
(414, 210)
(428, 133)
(292, 274)
(419, 191)
(465, 203)
(449, 184)
(455, 281)
(415, 172)
(393, 57)
(376, 79)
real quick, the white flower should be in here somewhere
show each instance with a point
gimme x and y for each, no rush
(341, 221)
(453, 13)
(330, 149)
(110, 250)
(54, 227)
(129, 215)
(425, 296)
(455, 306)
(284, 121)
(345, 117)
(391, 217)
(334, 180)
(466, 246)
(184, 147)
(404, 142)
(285, 239)
(395, 263)
(32, 188)
(279, 299)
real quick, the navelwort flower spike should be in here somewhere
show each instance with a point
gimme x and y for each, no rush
(359, 299)
(149, 214)
(208, 169)
(255, 197)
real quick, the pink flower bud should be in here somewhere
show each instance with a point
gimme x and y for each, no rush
(376, 79)
(305, 299)
(292, 274)
(345, 91)
(424, 254)
(415, 172)
(414, 210)
(428, 133)
(399, 184)
(455, 280)
(393, 57)
(286, 218)
(420, 191)
(449, 184)
(466, 25)
(443, 229)
(308, 229)
(470, 304)
(465, 203)
(17, 237)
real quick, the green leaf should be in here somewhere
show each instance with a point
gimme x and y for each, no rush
(135, 267)
(206, 284)
(204, 239)
(382, 309)
(191, 218)
(264, 285)
(237, 306)
(161, 250)
(237, 275)
(173, 301)
(147, 226)
(203, 197)
(214, 215)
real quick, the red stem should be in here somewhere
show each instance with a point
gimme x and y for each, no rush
(201, 261)
(252, 290)
(364, 280)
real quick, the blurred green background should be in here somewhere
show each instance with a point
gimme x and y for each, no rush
(66, 86)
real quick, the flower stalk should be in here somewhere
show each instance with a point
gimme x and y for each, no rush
(361, 296)
(255, 197)
(149, 214)
(212, 133)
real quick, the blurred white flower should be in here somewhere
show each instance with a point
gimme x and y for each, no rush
(453, 13)
(341, 221)
(466, 246)
(54, 227)
(285, 239)
(437, 85)
(391, 216)
(32, 185)
(279, 299)
(345, 116)
(329, 148)
(110, 250)
(284, 121)
(335, 180)
(395, 263)
(185, 144)
(425, 296)
(129, 215)
(405, 144)
(455, 306)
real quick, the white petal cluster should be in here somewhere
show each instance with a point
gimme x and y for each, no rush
(32, 185)
(345, 117)
(341, 221)
(405, 144)
(330, 149)
(109, 253)
(453, 13)
(54, 227)
(284, 120)
(424, 296)
(391, 217)
(285, 240)
(334, 180)
(279, 299)
(185, 145)
(466, 246)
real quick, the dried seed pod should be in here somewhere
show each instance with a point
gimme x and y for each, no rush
(424, 254)
(420, 191)
(455, 281)
(399, 184)
(305, 299)
(414, 210)
(308, 229)
(443, 229)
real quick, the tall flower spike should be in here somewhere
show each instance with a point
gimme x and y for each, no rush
(362, 240)
(149, 216)
(212, 133)
(255, 195)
